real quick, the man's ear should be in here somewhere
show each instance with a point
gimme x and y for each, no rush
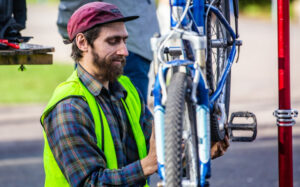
(81, 42)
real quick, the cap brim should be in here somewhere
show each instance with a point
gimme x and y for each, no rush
(129, 18)
(123, 19)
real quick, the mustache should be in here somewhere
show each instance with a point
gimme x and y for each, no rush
(122, 59)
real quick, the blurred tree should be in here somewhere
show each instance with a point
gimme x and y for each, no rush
(244, 3)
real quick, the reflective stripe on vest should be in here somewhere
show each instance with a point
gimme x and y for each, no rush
(73, 87)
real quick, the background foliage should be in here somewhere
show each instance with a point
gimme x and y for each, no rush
(244, 3)
(34, 85)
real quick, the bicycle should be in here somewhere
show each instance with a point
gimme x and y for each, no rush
(192, 89)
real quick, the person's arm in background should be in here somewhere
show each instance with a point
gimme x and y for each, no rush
(20, 12)
(65, 11)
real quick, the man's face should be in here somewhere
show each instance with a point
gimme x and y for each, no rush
(109, 51)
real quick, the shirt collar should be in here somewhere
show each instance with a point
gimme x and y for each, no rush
(96, 88)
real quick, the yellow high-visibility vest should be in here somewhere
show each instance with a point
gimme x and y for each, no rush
(74, 87)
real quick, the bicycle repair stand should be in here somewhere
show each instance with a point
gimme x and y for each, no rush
(285, 115)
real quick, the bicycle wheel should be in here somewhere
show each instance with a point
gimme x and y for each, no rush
(181, 152)
(217, 53)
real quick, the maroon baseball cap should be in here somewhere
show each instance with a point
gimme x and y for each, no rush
(92, 14)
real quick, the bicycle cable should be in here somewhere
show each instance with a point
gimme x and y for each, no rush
(164, 40)
(238, 55)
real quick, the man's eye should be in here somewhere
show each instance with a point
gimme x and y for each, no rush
(113, 41)
(116, 41)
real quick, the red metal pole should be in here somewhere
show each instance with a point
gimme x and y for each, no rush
(285, 148)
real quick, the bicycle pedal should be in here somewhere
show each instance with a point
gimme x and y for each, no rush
(246, 124)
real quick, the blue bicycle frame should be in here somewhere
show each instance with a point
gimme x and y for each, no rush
(204, 101)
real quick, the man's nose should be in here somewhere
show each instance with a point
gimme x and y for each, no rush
(123, 50)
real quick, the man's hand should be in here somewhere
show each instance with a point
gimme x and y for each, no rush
(219, 148)
(149, 163)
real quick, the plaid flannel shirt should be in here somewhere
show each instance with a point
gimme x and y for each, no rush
(70, 132)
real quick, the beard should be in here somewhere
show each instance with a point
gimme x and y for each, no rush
(108, 70)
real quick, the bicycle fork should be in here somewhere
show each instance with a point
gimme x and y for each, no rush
(203, 135)
(159, 113)
(203, 129)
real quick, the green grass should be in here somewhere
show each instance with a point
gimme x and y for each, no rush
(42, 1)
(261, 11)
(257, 11)
(34, 85)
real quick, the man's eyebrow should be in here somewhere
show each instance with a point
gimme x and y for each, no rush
(117, 37)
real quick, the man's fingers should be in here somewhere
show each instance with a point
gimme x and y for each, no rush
(221, 151)
(153, 131)
(152, 138)
(226, 143)
(226, 140)
(218, 149)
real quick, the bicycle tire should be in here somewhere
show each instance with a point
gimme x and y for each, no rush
(176, 107)
(215, 64)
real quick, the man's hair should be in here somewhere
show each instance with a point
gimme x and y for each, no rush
(91, 35)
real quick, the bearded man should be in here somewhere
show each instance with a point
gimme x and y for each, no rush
(97, 129)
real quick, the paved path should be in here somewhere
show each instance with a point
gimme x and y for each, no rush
(41, 24)
(21, 146)
(254, 88)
